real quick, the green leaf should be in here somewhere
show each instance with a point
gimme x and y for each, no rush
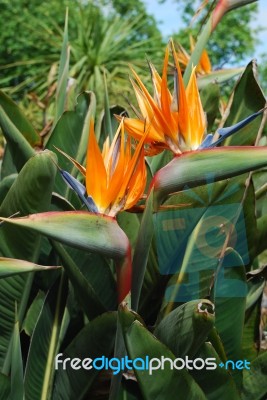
(129, 223)
(12, 266)
(229, 297)
(19, 147)
(247, 99)
(89, 232)
(98, 271)
(218, 76)
(95, 340)
(191, 238)
(33, 313)
(256, 283)
(7, 165)
(214, 383)
(84, 291)
(199, 167)
(14, 113)
(251, 333)
(210, 98)
(17, 387)
(262, 234)
(145, 235)
(44, 343)
(254, 379)
(71, 135)
(186, 328)
(31, 192)
(5, 185)
(161, 383)
(125, 318)
(159, 161)
(5, 387)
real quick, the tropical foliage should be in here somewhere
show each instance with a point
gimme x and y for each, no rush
(134, 236)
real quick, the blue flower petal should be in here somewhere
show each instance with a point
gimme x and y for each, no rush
(79, 188)
(228, 131)
(206, 142)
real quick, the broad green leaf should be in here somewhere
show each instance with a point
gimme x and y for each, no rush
(19, 147)
(214, 383)
(145, 235)
(4, 387)
(129, 223)
(196, 168)
(247, 99)
(89, 232)
(95, 340)
(191, 234)
(218, 76)
(31, 192)
(71, 135)
(210, 98)
(161, 383)
(159, 161)
(251, 340)
(153, 286)
(14, 113)
(33, 312)
(254, 379)
(229, 297)
(7, 166)
(17, 387)
(186, 328)
(12, 266)
(125, 318)
(85, 293)
(98, 271)
(44, 343)
(262, 234)
(256, 283)
(5, 185)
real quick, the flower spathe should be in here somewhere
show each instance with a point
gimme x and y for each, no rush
(176, 121)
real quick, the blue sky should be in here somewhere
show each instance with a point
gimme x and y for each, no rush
(169, 17)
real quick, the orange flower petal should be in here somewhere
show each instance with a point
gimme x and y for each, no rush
(136, 129)
(74, 162)
(196, 114)
(96, 176)
(181, 96)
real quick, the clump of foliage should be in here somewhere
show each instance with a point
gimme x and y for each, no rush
(145, 240)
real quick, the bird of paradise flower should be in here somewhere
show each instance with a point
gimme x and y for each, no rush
(176, 122)
(115, 178)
